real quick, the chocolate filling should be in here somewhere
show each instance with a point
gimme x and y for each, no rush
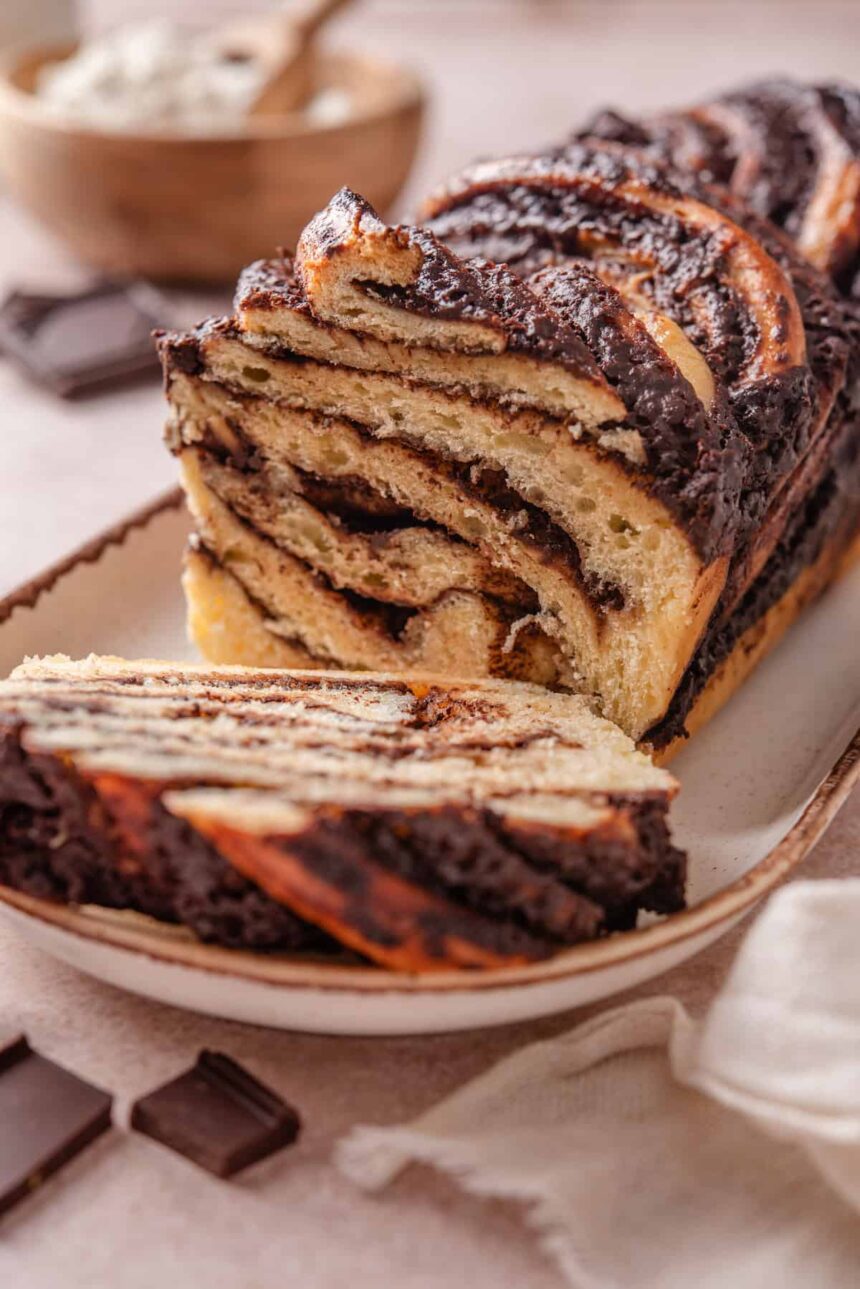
(57, 843)
(444, 287)
(605, 868)
(548, 220)
(389, 619)
(357, 507)
(768, 142)
(548, 540)
(450, 853)
(53, 840)
(489, 486)
(523, 881)
(695, 457)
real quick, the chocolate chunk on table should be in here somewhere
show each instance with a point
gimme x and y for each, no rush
(217, 1115)
(76, 344)
(47, 1116)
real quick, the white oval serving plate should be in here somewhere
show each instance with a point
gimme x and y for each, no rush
(759, 786)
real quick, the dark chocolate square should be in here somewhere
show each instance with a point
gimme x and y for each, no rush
(47, 1116)
(76, 344)
(217, 1115)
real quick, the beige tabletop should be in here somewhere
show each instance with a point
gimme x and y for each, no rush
(129, 1215)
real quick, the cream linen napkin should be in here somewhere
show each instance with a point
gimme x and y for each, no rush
(657, 1152)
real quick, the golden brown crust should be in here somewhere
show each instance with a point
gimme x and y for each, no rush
(761, 638)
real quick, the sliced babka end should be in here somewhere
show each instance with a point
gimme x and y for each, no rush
(427, 823)
(469, 633)
(584, 540)
(329, 464)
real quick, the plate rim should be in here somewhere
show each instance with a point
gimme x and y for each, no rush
(130, 932)
(28, 594)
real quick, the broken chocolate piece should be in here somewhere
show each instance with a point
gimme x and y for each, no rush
(217, 1115)
(76, 344)
(47, 1117)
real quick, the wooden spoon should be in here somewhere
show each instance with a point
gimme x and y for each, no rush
(285, 46)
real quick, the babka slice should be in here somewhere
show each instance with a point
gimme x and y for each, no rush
(419, 822)
(401, 459)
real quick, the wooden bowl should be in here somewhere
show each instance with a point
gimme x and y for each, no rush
(175, 206)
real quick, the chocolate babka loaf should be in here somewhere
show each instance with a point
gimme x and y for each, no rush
(400, 458)
(420, 823)
(774, 336)
(791, 151)
(587, 428)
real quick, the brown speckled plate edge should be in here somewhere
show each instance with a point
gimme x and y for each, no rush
(27, 595)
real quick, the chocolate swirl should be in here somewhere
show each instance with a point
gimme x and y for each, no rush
(669, 249)
(790, 151)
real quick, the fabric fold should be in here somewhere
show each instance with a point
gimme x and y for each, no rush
(649, 1147)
